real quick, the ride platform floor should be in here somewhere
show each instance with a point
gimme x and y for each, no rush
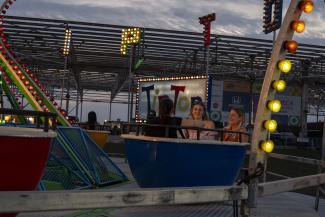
(286, 204)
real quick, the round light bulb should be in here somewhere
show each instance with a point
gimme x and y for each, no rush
(306, 6)
(274, 105)
(270, 125)
(267, 146)
(285, 66)
(279, 85)
(298, 26)
(291, 46)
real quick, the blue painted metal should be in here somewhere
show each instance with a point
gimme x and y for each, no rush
(96, 164)
(171, 164)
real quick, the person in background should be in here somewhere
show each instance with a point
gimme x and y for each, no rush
(152, 115)
(92, 121)
(164, 118)
(236, 122)
(198, 113)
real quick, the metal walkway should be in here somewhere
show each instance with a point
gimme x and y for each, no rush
(279, 205)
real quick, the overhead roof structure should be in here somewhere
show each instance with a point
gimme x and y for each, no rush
(96, 65)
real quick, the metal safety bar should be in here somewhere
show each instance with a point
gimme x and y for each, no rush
(142, 126)
(39, 115)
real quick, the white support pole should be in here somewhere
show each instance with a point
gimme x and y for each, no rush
(262, 114)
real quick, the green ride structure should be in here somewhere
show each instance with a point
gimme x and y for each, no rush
(76, 161)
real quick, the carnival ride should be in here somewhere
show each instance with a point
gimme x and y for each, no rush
(189, 162)
(75, 161)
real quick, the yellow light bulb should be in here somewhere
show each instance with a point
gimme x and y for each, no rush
(279, 85)
(270, 125)
(267, 146)
(274, 105)
(7, 118)
(285, 66)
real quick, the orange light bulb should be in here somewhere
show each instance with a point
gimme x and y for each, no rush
(291, 46)
(307, 6)
(298, 26)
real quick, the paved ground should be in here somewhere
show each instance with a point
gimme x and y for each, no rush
(280, 205)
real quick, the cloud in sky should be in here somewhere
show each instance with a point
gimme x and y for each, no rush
(237, 17)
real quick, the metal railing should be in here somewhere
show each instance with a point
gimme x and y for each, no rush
(47, 116)
(140, 129)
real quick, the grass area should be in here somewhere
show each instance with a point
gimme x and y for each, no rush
(294, 169)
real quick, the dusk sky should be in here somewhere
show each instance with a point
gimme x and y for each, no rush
(237, 17)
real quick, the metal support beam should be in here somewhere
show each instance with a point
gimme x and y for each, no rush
(67, 96)
(36, 201)
(298, 159)
(77, 104)
(304, 110)
(81, 104)
(292, 184)
(75, 68)
(320, 169)
(110, 111)
(63, 79)
(262, 114)
(120, 82)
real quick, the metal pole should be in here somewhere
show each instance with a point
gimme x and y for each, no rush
(320, 168)
(274, 36)
(303, 113)
(131, 110)
(251, 114)
(67, 97)
(1, 92)
(317, 112)
(65, 68)
(207, 60)
(81, 101)
(110, 110)
(77, 104)
(130, 80)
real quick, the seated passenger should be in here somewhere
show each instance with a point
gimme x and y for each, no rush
(164, 118)
(236, 121)
(198, 113)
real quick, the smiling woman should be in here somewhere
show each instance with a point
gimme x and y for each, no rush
(236, 123)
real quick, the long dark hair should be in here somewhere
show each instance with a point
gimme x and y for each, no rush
(92, 120)
(165, 108)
